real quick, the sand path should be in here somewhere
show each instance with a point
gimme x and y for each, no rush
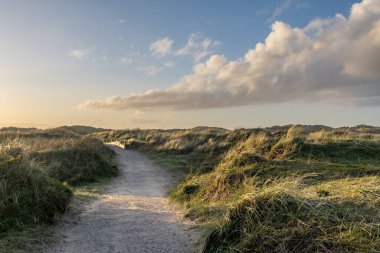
(132, 215)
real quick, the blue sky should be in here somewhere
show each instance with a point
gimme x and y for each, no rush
(61, 60)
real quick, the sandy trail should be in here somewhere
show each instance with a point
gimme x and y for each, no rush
(132, 215)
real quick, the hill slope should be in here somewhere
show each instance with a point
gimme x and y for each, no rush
(279, 189)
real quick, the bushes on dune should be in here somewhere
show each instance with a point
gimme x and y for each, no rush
(179, 141)
(288, 146)
(27, 194)
(85, 161)
(71, 160)
(263, 209)
(35, 166)
(242, 183)
(280, 219)
(263, 146)
(249, 151)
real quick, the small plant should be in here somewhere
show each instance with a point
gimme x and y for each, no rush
(323, 193)
(190, 188)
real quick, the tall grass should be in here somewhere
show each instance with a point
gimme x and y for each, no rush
(72, 160)
(27, 194)
(279, 217)
(78, 162)
(38, 169)
(279, 189)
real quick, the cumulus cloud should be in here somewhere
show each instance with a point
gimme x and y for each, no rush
(81, 53)
(335, 60)
(198, 47)
(161, 47)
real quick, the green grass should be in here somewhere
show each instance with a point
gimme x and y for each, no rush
(28, 195)
(30, 240)
(29, 202)
(39, 172)
(91, 190)
(279, 189)
(84, 162)
(169, 161)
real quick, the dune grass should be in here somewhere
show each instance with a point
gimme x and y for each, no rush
(31, 239)
(28, 195)
(39, 172)
(279, 189)
(84, 161)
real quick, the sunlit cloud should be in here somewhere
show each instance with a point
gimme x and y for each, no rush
(198, 47)
(334, 61)
(161, 47)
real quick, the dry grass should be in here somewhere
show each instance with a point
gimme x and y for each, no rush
(279, 189)
(37, 170)
(27, 194)
(286, 216)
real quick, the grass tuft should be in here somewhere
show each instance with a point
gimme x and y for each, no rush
(28, 195)
(38, 170)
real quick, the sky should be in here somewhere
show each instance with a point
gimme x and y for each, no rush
(179, 64)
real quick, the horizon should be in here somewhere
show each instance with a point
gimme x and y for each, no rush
(173, 65)
(190, 128)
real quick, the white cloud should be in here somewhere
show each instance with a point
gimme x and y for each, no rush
(198, 47)
(335, 61)
(154, 70)
(280, 9)
(161, 47)
(81, 53)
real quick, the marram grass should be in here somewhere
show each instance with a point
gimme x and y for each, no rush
(279, 189)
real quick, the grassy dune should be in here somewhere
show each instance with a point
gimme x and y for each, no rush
(39, 169)
(279, 189)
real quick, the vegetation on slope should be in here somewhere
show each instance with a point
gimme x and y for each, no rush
(279, 189)
(77, 162)
(38, 169)
(28, 195)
